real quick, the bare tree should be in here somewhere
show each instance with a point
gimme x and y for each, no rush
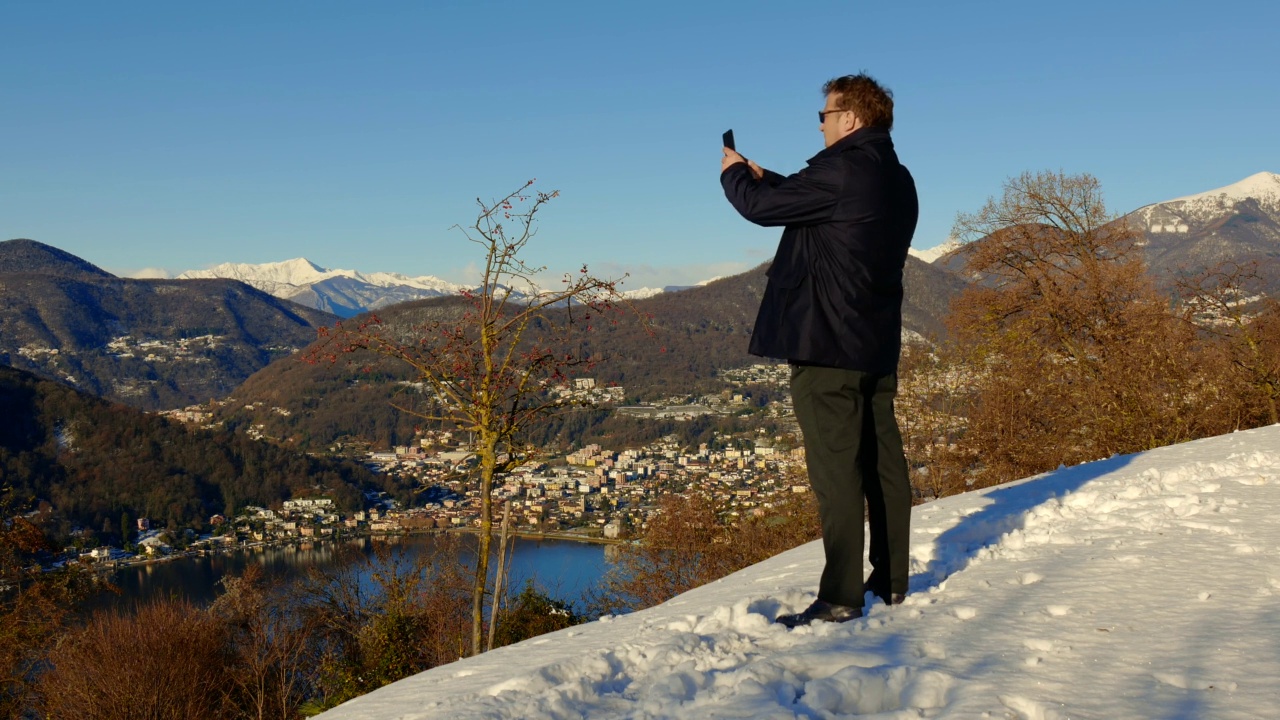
(394, 614)
(1079, 355)
(169, 660)
(269, 641)
(488, 371)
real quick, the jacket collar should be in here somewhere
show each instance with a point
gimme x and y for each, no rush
(861, 136)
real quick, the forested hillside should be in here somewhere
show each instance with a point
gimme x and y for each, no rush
(91, 462)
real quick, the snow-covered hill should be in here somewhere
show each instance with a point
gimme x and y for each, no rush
(1200, 212)
(1263, 187)
(342, 292)
(1239, 223)
(1133, 587)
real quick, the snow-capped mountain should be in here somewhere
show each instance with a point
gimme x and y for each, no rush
(1212, 211)
(642, 293)
(937, 251)
(1239, 222)
(341, 292)
(349, 292)
(1263, 187)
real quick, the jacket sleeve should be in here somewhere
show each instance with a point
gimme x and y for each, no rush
(809, 196)
(772, 178)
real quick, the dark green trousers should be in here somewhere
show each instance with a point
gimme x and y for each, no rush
(853, 450)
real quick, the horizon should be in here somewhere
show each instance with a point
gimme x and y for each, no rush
(181, 138)
(1264, 182)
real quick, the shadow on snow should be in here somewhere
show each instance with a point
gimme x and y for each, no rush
(1007, 511)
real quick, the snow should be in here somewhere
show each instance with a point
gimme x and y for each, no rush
(1259, 185)
(279, 277)
(932, 254)
(1137, 586)
(641, 293)
(1196, 213)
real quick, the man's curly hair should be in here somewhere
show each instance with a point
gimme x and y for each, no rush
(868, 99)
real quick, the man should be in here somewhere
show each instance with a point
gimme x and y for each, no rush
(833, 308)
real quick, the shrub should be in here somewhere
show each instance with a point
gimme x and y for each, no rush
(167, 660)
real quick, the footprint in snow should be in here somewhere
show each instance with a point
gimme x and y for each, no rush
(1039, 644)
(932, 651)
(1028, 709)
(1188, 682)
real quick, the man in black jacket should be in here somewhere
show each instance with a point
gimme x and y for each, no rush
(833, 309)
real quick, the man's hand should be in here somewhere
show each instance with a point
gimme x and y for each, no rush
(731, 157)
(755, 169)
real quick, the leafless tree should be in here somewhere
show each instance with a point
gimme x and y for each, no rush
(489, 371)
(1080, 357)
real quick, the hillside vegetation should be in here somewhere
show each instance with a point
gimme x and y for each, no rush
(88, 462)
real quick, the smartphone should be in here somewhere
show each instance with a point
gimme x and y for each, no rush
(728, 140)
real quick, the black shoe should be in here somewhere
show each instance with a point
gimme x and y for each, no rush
(821, 610)
(878, 585)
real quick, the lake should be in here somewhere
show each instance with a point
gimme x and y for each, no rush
(563, 568)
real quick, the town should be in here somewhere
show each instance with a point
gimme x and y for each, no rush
(593, 493)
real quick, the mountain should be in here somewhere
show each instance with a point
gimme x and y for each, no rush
(696, 334)
(931, 254)
(93, 460)
(149, 343)
(28, 256)
(1239, 223)
(342, 292)
(1078, 593)
(347, 293)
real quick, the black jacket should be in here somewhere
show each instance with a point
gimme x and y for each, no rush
(834, 295)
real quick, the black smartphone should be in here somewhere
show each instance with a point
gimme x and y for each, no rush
(728, 140)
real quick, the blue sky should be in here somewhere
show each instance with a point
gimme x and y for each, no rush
(181, 135)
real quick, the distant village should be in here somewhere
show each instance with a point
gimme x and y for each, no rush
(593, 493)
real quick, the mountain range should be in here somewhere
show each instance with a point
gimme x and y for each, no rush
(167, 343)
(1237, 222)
(694, 335)
(152, 344)
(342, 292)
(347, 293)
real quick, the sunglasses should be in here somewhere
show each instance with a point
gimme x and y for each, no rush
(822, 114)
